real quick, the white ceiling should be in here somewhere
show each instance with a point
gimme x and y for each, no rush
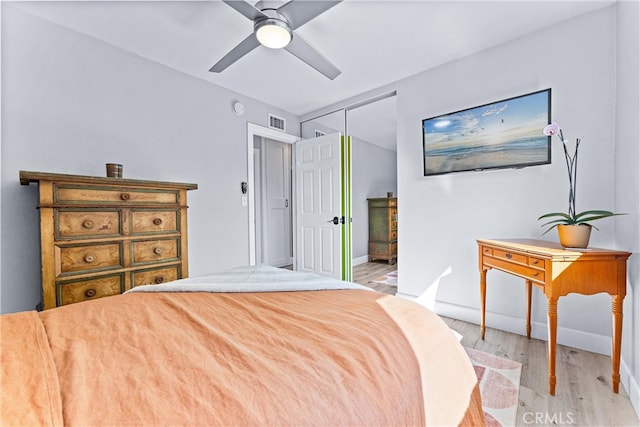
(374, 43)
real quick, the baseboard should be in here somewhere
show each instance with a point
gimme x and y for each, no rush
(570, 337)
(578, 339)
(360, 260)
(630, 385)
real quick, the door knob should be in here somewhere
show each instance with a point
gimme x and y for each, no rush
(335, 220)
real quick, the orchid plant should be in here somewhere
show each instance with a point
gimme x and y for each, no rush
(571, 217)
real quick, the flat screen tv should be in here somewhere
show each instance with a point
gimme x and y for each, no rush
(502, 134)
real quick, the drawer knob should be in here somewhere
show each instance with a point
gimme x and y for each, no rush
(89, 258)
(157, 221)
(535, 274)
(535, 262)
(88, 224)
(89, 293)
(124, 196)
(159, 279)
(508, 256)
(157, 250)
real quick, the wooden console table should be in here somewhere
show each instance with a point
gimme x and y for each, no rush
(558, 272)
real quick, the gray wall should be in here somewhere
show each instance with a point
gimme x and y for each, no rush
(627, 181)
(442, 216)
(71, 103)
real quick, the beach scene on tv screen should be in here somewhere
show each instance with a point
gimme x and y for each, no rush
(502, 134)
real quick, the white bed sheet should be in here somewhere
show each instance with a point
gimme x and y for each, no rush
(251, 279)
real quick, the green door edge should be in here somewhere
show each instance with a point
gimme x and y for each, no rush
(346, 244)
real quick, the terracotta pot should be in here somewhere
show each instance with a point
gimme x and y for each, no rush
(574, 235)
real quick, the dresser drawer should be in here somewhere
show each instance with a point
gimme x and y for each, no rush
(88, 258)
(383, 202)
(86, 224)
(148, 251)
(155, 276)
(154, 221)
(70, 292)
(111, 195)
(377, 249)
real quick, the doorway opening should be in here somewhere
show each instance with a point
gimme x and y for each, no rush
(273, 183)
(255, 135)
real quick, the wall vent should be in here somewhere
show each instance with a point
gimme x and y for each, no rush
(276, 122)
(320, 133)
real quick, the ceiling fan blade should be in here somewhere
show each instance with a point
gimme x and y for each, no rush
(307, 53)
(246, 9)
(301, 12)
(245, 46)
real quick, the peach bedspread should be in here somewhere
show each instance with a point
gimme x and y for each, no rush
(337, 357)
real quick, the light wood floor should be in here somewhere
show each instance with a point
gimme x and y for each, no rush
(583, 391)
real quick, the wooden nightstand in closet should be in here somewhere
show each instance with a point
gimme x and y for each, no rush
(383, 229)
(102, 236)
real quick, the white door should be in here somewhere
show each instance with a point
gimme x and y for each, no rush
(321, 207)
(276, 172)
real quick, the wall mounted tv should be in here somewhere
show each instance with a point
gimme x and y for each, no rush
(502, 134)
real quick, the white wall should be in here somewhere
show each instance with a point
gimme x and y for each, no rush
(443, 215)
(71, 103)
(627, 182)
(374, 174)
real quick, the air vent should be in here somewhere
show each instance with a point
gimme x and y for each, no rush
(320, 133)
(276, 122)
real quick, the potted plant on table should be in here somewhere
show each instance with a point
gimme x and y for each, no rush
(574, 229)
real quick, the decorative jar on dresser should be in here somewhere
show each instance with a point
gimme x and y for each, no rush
(383, 229)
(102, 236)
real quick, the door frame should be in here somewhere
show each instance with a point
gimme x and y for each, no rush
(254, 130)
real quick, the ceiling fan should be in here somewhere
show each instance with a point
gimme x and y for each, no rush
(274, 24)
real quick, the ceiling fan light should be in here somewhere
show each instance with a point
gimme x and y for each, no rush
(273, 33)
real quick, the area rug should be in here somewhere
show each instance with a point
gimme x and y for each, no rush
(499, 381)
(390, 279)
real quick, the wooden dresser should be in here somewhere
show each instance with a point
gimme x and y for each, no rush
(383, 229)
(103, 236)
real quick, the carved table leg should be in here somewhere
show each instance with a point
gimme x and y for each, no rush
(529, 309)
(552, 324)
(616, 311)
(483, 294)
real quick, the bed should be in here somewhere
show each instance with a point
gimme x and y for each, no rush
(249, 346)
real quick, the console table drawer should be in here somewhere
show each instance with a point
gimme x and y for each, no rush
(517, 269)
(536, 262)
(510, 256)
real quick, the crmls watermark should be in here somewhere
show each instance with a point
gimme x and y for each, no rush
(557, 418)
